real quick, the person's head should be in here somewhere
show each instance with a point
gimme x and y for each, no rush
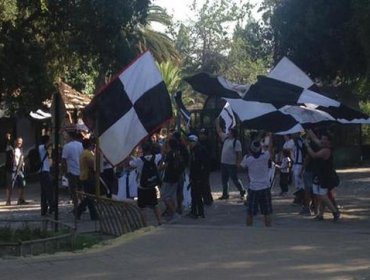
(255, 147)
(147, 148)
(326, 140)
(193, 140)
(286, 153)
(72, 135)
(233, 133)
(19, 142)
(87, 144)
(287, 137)
(45, 139)
(203, 133)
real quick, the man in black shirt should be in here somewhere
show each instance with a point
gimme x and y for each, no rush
(198, 162)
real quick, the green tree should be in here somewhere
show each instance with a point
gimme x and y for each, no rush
(318, 36)
(205, 41)
(250, 54)
(44, 41)
(160, 44)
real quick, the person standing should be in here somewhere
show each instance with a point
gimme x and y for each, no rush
(230, 159)
(47, 198)
(147, 166)
(284, 168)
(172, 165)
(17, 179)
(197, 176)
(71, 165)
(87, 178)
(259, 192)
(9, 162)
(204, 142)
(323, 167)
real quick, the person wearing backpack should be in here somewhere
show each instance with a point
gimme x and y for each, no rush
(47, 197)
(147, 166)
(172, 165)
(230, 159)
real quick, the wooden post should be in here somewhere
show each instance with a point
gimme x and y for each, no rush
(56, 161)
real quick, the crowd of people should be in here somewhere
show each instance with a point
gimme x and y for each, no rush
(164, 160)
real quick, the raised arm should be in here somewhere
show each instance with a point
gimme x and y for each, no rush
(313, 137)
(218, 128)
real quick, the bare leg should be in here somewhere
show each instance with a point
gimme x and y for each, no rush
(157, 213)
(8, 195)
(325, 199)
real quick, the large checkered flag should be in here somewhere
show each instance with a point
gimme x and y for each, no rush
(285, 101)
(129, 108)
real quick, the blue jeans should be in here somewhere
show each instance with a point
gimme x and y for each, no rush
(229, 171)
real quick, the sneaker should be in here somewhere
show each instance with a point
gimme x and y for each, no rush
(318, 218)
(191, 215)
(223, 197)
(242, 194)
(336, 216)
(22, 202)
(305, 212)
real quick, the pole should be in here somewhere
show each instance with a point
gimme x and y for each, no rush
(97, 154)
(56, 155)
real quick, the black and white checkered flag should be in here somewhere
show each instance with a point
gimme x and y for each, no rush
(129, 108)
(284, 101)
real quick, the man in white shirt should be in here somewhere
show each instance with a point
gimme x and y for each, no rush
(259, 192)
(71, 165)
(230, 159)
(47, 200)
(17, 172)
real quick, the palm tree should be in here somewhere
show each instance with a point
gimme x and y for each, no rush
(161, 46)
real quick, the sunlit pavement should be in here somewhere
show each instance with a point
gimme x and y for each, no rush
(222, 247)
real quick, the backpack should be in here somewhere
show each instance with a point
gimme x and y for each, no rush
(175, 166)
(149, 175)
(34, 161)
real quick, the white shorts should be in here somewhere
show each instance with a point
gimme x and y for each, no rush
(319, 190)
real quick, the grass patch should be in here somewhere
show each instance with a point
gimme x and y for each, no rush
(23, 234)
(86, 240)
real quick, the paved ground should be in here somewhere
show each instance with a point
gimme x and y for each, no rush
(221, 246)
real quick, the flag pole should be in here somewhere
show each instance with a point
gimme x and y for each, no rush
(56, 155)
(97, 154)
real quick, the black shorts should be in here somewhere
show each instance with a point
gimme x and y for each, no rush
(147, 197)
(259, 199)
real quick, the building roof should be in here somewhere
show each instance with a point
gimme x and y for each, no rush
(72, 98)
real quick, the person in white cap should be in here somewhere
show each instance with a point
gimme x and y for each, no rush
(197, 175)
(259, 192)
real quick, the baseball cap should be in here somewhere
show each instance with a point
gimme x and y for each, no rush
(193, 138)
